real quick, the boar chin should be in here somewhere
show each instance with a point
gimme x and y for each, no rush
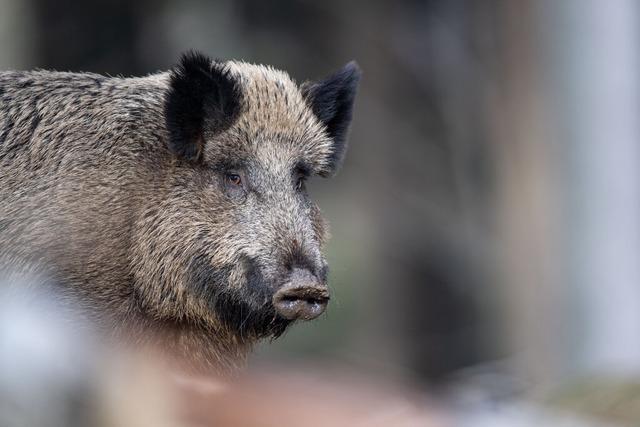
(247, 320)
(244, 308)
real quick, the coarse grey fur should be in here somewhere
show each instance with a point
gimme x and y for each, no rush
(156, 241)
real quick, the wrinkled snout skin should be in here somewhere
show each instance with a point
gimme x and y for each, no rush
(174, 206)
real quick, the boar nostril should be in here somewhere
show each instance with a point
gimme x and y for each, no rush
(300, 303)
(303, 297)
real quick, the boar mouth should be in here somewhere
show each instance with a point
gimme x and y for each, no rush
(246, 310)
(255, 310)
(248, 319)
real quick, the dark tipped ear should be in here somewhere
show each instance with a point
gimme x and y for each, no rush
(202, 97)
(332, 102)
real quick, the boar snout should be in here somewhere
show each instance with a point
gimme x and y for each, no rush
(303, 297)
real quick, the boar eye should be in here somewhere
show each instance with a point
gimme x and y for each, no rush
(235, 183)
(233, 179)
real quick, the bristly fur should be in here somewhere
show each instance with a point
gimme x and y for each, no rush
(202, 96)
(94, 186)
(332, 102)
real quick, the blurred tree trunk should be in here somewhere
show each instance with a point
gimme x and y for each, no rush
(528, 241)
(16, 29)
(593, 54)
(566, 124)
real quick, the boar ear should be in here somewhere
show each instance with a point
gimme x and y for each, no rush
(202, 96)
(332, 102)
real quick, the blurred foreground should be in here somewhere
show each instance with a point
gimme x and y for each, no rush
(54, 373)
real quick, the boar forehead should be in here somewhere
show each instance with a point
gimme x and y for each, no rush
(276, 127)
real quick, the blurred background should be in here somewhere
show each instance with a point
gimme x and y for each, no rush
(486, 222)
